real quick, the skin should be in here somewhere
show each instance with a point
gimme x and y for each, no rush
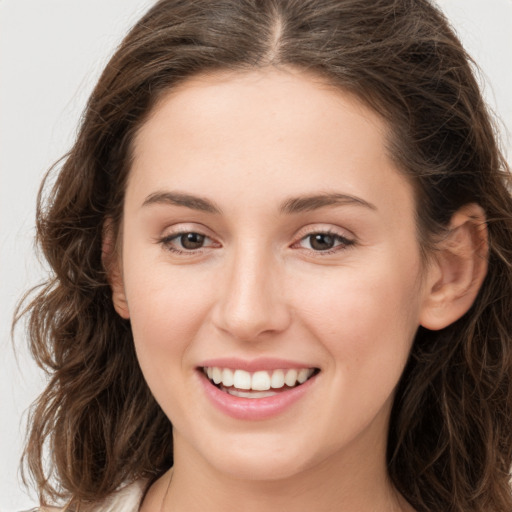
(248, 143)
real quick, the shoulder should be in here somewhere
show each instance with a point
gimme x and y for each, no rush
(125, 499)
(44, 509)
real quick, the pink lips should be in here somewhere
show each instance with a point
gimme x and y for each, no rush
(254, 409)
(263, 363)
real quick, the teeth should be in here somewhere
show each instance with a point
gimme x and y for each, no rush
(261, 381)
(227, 377)
(242, 379)
(217, 375)
(277, 380)
(250, 394)
(291, 377)
(303, 375)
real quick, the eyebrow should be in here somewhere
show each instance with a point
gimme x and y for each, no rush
(290, 206)
(317, 201)
(180, 199)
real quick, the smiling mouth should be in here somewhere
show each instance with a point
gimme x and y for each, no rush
(259, 384)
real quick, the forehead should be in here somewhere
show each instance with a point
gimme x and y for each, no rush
(286, 98)
(262, 133)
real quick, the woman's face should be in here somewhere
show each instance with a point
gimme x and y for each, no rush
(268, 238)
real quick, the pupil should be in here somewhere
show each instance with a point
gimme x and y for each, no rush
(192, 240)
(322, 242)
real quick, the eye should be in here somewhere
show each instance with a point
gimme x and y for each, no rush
(191, 241)
(324, 242)
(184, 242)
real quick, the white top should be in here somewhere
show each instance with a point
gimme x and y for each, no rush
(126, 499)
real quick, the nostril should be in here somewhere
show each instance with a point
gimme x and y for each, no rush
(250, 307)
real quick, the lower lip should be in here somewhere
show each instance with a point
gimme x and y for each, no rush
(254, 409)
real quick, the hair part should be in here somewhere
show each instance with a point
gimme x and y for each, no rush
(450, 441)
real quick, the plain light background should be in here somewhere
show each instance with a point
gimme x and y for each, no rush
(51, 54)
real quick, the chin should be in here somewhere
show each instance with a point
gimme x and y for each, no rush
(263, 457)
(263, 468)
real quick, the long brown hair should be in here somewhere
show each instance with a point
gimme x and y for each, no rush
(450, 440)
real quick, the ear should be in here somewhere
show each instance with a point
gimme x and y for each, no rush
(458, 270)
(112, 263)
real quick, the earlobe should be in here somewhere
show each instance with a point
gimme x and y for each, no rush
(458, 269)
(112, 264)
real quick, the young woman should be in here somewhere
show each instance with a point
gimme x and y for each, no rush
(281, 249)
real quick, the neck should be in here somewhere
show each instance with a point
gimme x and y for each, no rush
(339, 484)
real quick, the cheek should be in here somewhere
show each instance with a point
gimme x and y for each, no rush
(166, 311)
(166, 314)
(367, 320)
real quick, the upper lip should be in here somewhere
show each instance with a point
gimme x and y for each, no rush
(253, 365)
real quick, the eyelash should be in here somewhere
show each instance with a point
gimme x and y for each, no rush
(343, 243)
(166, 241)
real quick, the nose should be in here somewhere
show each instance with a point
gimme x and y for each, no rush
(251, 301)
